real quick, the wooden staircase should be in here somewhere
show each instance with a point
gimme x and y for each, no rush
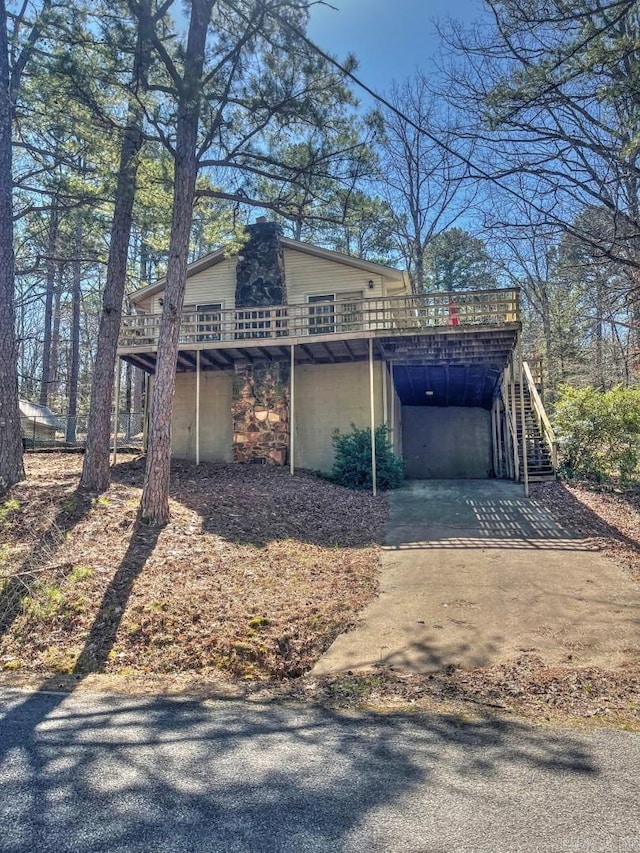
(532, 434)
(540, 461)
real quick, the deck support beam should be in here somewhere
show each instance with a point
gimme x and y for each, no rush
(514, 422)
(385, 395)
(494, 436)
(525, 461)
(197, 407)
(392, 408)
(501, 454)
(116, 413)
(292, 409)
(374, 473)
(508, 438)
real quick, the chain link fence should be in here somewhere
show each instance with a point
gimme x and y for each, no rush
(60, 431)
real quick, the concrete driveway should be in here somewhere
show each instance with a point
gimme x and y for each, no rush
(474, 573)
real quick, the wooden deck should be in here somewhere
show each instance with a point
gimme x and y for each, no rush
(470, 327)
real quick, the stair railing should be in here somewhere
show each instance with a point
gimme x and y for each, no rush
(544, 424)
(513, 449)
(509, 400)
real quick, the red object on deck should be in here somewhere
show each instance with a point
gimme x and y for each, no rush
(454, 320)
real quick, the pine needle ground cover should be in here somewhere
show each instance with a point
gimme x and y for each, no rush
(246, 587)
(255, 575)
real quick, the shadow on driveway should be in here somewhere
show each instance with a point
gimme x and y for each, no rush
(93, 774)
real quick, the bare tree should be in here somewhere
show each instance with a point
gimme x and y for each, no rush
(95, 469)
(74, 361)
(155, 496)
(15, 55)
(424, 182)
(551, 95)
(258, 74)
(52, 246)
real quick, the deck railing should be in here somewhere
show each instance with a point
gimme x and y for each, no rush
(543, 422)
(401, 314)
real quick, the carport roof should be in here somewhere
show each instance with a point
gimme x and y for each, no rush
(446, 385)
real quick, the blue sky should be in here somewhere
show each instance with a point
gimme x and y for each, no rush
(391, 38)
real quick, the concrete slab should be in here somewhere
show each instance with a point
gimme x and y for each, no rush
(474, 573)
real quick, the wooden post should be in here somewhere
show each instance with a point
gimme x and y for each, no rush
(374, 473)
(292, 409)
(197, 407)
(500, 437)
(525, 461)
(116, 414)
(385, 395)
(392, 410)
(494, 437)
(514, 422)
(507, 430)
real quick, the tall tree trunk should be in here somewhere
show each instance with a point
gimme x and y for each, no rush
(54, 368)
(549, 344)
(11, 470)
(635, 328)
(418, 266)
(601, 379)
(138, 379)
(95, 469)
(52, 246)
(155, 494)
(74, 367)
(144, 260)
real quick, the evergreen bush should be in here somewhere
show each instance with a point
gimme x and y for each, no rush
(599, 433)
(352, 462)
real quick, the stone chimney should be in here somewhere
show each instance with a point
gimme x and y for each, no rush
(260, 399)
(260, 269)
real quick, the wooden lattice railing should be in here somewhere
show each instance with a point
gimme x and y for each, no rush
(402, 314)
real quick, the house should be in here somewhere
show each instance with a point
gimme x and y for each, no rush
(287, 342)
(38, 424)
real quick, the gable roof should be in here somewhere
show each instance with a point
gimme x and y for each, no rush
(297, 245)
(40, 414)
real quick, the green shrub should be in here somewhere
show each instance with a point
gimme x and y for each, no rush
(599, 433)
(352, 462)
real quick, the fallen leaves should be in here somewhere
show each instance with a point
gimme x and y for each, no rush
(256, 573)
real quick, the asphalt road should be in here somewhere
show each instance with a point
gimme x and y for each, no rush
(88, 773)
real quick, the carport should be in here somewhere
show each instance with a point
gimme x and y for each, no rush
(446, 419)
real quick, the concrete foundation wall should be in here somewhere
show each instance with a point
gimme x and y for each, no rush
(446, 443)
(216, 425)
(329, 396)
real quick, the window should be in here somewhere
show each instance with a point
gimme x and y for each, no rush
(321, 315)
(208, 321)
(339, 312)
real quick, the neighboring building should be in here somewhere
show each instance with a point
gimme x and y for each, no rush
(287, 342)
(38, 424)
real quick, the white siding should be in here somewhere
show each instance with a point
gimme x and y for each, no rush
(216, 429)
(329, 397)
(146, 305)
(305, 275)
(216, 284)
(309, 276)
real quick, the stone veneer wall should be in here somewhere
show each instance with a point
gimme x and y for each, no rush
(260, 410)
(260, 277)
